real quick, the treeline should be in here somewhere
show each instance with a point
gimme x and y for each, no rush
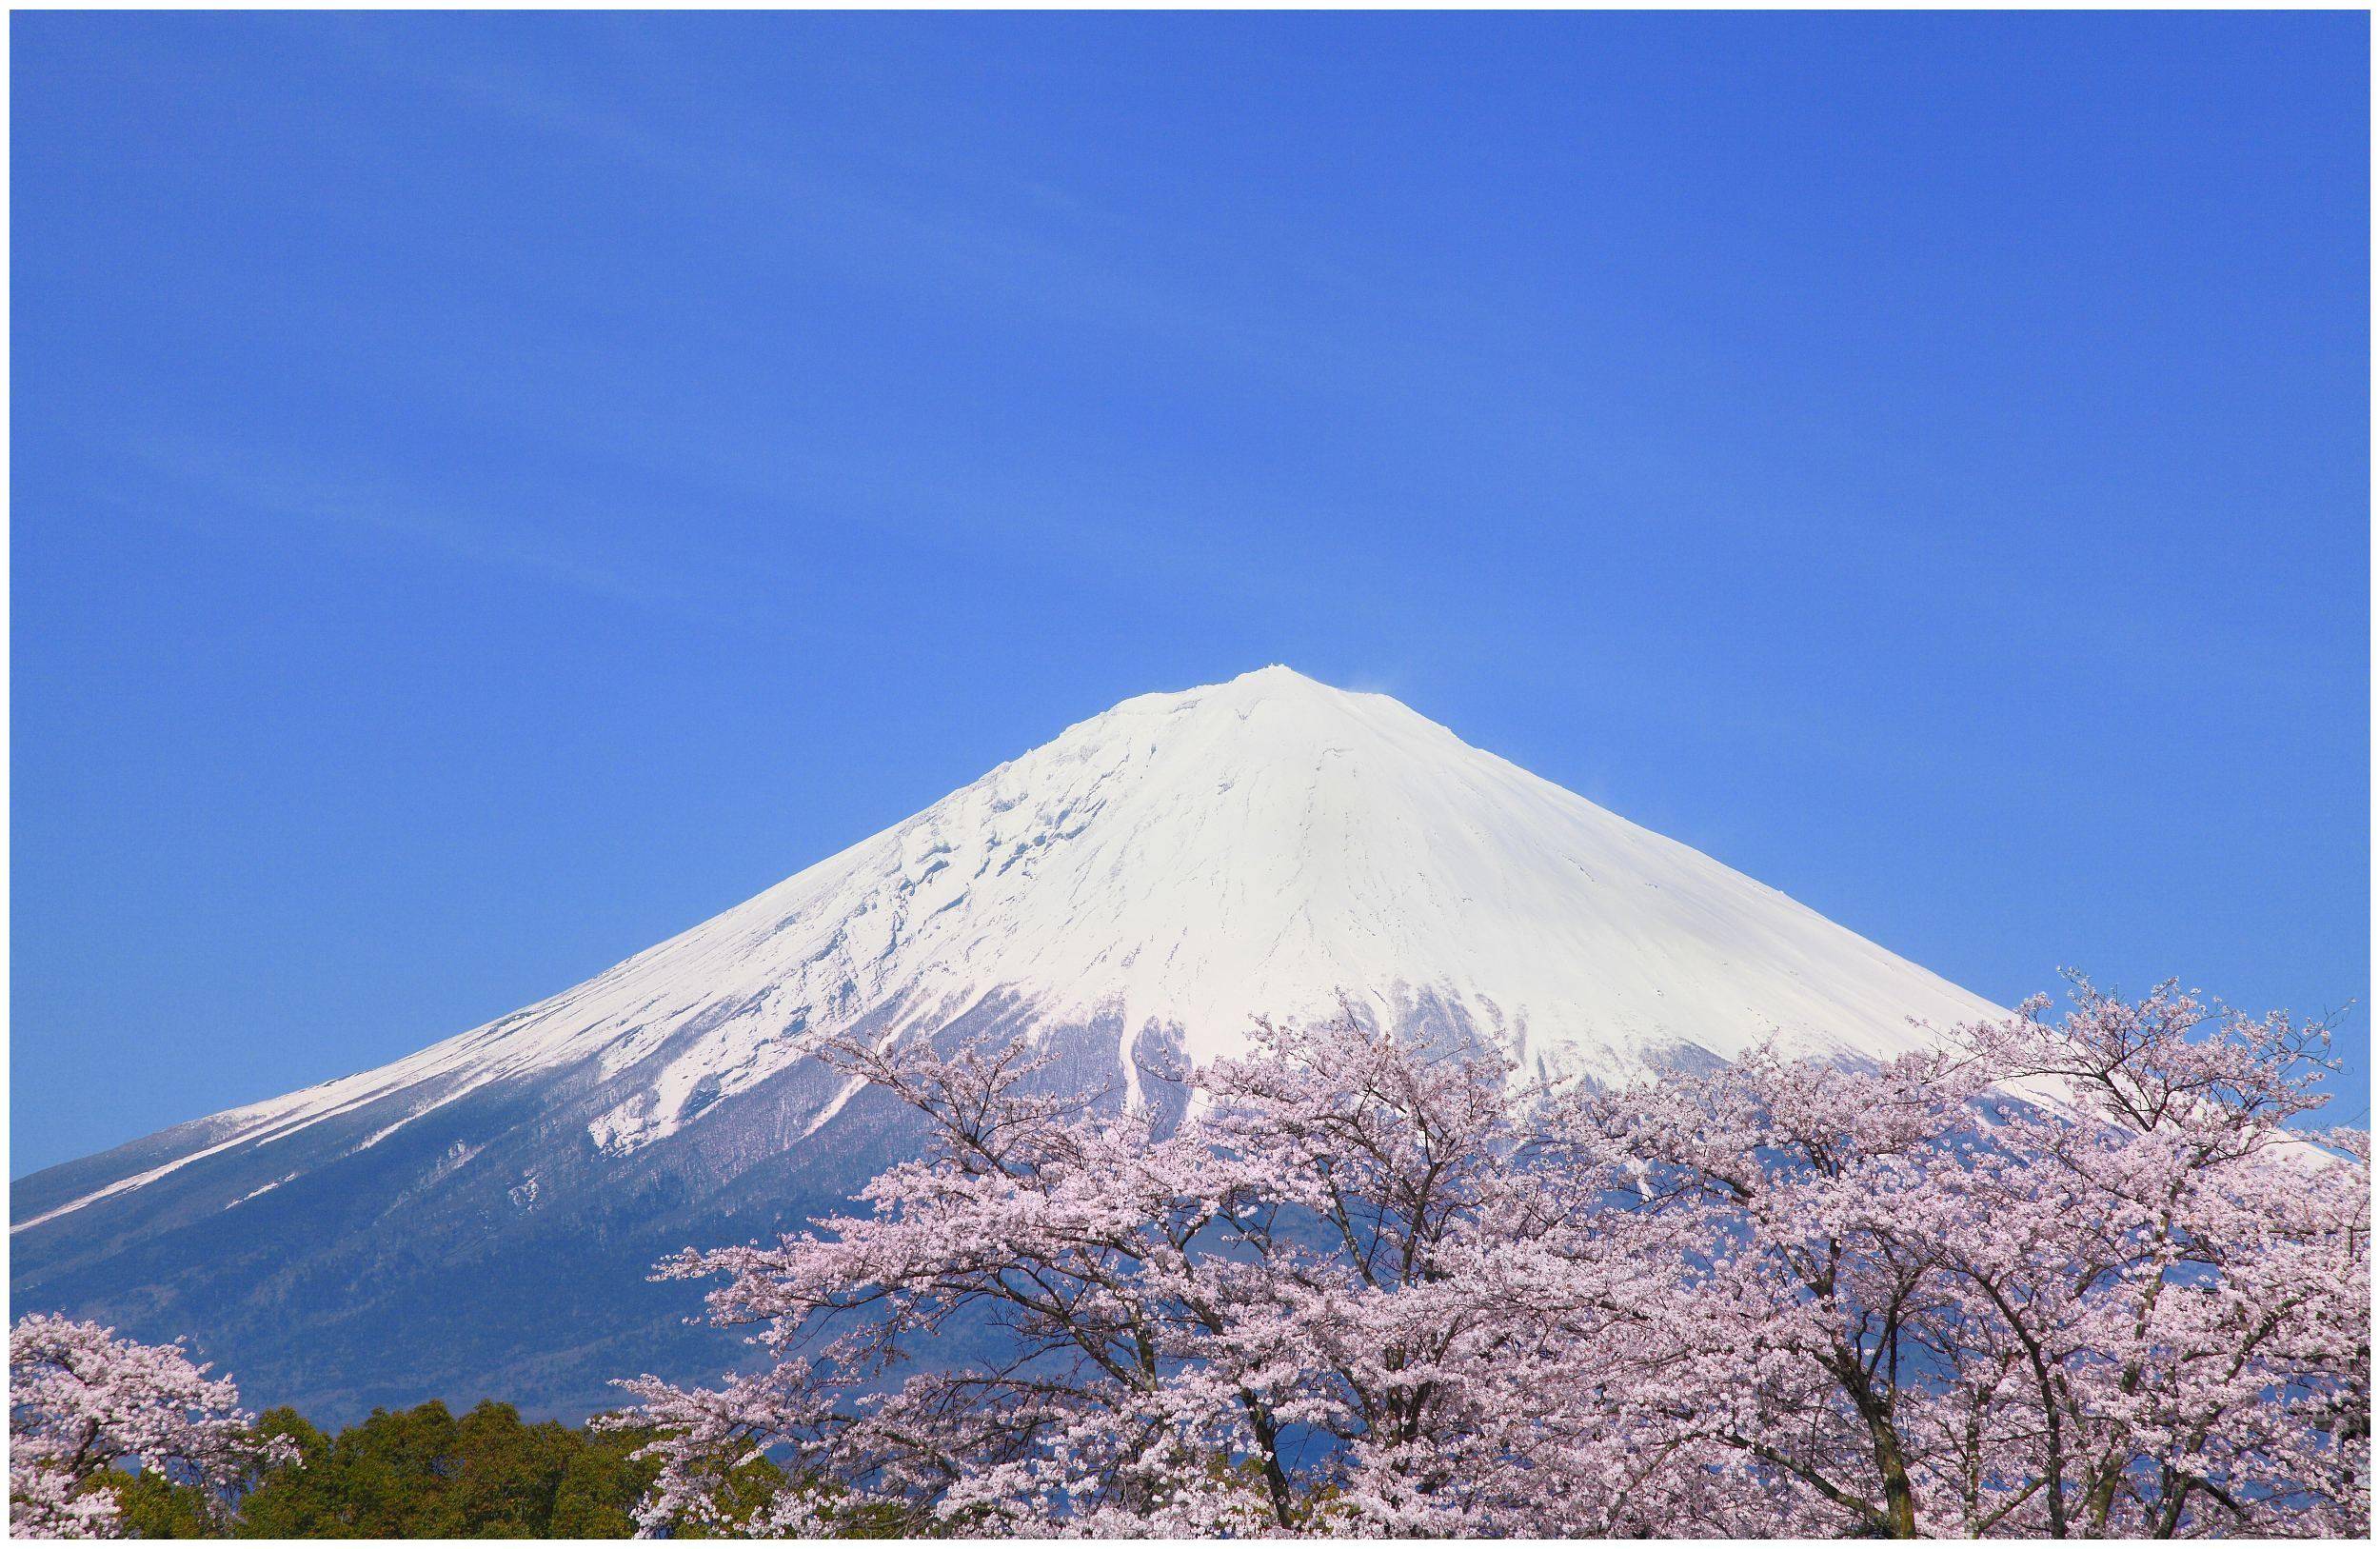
(421, 1473)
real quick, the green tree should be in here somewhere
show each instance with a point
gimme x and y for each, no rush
(153, 1506)
(422, 1472)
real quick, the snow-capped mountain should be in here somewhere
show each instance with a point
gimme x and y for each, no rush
(1143, 883)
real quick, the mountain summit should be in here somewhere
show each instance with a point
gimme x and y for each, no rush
(1141, 885)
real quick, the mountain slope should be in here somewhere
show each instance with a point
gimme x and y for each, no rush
(1145, 881)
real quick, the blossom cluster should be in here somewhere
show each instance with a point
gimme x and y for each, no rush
(2081, 1275)
(85, 1406)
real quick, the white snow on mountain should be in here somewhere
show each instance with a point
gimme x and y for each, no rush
(1181, 862)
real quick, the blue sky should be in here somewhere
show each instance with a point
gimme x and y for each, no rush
(491, 491)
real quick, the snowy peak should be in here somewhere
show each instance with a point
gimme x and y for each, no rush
(1166, 872)
(481, 1215)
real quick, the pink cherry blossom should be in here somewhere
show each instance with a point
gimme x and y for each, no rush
(82, 1401)
(2066, 1278)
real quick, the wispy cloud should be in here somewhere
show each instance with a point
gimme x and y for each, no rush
(283, 488)
(879, 217)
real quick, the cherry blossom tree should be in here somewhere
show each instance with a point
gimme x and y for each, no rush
(83, 1405)
(2070, 1278)
(2058, 1279)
